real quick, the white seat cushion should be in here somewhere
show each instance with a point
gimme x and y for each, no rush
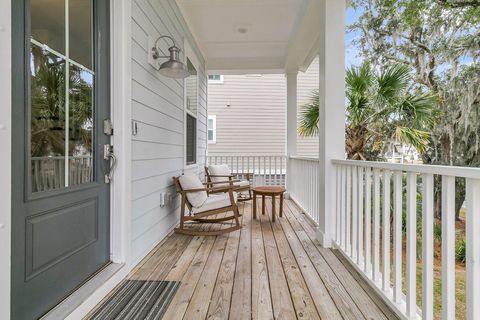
(191, 181)
(219, 170)
(242, 183)
(216, 202)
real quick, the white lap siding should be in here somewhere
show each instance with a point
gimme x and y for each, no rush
(158, 110)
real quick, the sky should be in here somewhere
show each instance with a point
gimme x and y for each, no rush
(352, 53)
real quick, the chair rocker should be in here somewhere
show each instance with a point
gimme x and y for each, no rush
(218, 174)
(202, 202)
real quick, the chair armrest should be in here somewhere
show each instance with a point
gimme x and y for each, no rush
(221, 182)
(220, 176)
(209, 189)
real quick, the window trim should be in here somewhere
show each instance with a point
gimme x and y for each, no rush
(214, 129)
(213, 81)
(190, 55)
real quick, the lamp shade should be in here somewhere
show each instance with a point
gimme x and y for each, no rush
(174, 69)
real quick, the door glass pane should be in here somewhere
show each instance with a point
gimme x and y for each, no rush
(47, 119)
(62, 125)
(80, 41)
(81, 126)
(48, 23)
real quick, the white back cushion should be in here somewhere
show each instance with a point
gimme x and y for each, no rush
(219, 170)
(191, 181)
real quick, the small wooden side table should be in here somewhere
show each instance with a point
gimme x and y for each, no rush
(268, 191)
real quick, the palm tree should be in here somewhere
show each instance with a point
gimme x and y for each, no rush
(381, 109)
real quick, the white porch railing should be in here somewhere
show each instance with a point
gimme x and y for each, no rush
(370, 205)
(303, 184)
(48, 173)
(267, 169)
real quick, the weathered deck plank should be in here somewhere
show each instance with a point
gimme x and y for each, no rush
(266, 270)
(241, 304)
(281, 298)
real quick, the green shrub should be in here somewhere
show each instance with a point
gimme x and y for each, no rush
(460, 251)
(437, 232)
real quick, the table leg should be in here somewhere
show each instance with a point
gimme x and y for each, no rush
(263, 205)
(254, 206)
(281, 205)
(273, 208)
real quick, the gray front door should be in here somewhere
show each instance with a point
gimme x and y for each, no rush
(60, 201)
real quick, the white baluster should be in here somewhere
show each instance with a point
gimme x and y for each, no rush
(397, 259)
(473, 249)
(368, 221)
(343, 208)
(386, 231)
(376, 225)
(427, 247)
(448, 248)
(354, 212)
(411, 244)
(360, 217)
(348, 219)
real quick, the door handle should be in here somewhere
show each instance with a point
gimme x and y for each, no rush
(110, 157)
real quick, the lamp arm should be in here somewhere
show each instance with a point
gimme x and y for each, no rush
(156, 52)
(165, 36)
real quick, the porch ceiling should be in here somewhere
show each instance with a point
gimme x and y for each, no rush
(254, 36)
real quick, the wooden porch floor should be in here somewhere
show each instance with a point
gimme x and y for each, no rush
(264, 271)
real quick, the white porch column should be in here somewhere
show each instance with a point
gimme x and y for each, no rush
(291, 113)
(332, 110)
(291, 138)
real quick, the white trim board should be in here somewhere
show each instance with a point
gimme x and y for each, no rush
(5, 157)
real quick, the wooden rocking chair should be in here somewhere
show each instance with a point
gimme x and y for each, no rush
(221, 174)
(196, 196)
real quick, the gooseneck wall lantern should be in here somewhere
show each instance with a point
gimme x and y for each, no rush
(173, 67)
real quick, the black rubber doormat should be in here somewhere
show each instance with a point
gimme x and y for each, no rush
(136, 299)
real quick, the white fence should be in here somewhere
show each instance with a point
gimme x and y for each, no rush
(267, 170)
(370, 204)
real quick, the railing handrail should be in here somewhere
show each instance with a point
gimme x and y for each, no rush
(304, 158)
(462, 172)
(244, 155)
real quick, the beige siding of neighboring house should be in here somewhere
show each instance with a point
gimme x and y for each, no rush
(307, 82)
(250, 114)
(158, 110)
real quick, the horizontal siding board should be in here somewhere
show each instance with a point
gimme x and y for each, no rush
(142, 150)
(254, 124)
(142, 188)
(158, 110)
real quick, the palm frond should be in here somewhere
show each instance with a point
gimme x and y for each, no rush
(417, 138)
(309, 116)
(391, 84)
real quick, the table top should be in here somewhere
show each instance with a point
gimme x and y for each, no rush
(269, 190)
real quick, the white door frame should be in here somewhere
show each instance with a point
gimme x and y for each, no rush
(6, 155)
(121, 185)
(120, 208)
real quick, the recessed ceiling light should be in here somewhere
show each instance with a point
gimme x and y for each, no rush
(242, 30)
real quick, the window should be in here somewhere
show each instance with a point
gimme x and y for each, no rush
(212, 129)
(191, 100)
(191, 139)
(215, 78)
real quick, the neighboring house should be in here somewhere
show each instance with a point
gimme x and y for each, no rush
(246, 113)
